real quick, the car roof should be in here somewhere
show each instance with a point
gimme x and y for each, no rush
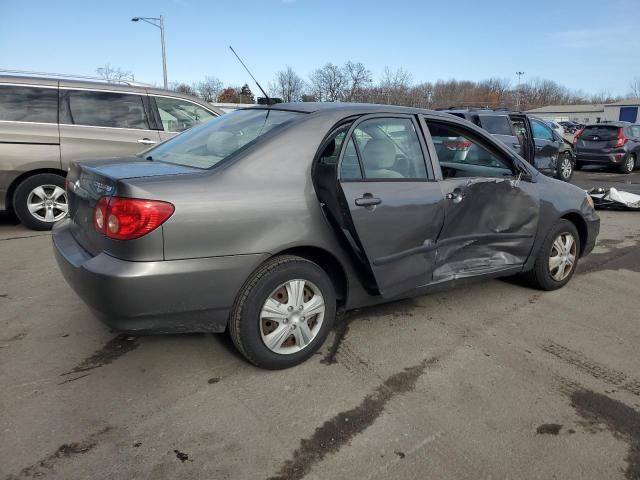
(609, 124)
(128, 87)
(346, 109)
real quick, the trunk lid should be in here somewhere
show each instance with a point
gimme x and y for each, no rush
(597, 139)
(87, 182)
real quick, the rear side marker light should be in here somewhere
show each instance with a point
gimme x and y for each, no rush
(129, 218)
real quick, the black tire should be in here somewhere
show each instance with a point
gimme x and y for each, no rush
(562, 158)
(628, 164)
(540, 275)
(21, 196)
(245, 323)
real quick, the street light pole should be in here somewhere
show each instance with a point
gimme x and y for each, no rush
(157, 22)
(519, 74)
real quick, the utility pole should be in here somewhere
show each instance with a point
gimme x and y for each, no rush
(519, 74)
(157, 22)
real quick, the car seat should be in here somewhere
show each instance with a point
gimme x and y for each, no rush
(379, 156)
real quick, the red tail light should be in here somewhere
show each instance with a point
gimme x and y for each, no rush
(577, 135)
(129, 218)
(458, 144)
(622, 139)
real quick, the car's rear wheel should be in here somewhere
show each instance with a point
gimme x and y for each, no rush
(283, 313)
(557, 259)
(565, 167)
(40, 200)
(629, 164)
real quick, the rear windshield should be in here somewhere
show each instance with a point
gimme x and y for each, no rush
(208, 144)
(496, 124)
(602, 132)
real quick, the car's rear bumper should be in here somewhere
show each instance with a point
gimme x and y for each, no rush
(600, 158)
(193, 295)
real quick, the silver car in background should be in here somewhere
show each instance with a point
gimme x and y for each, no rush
(47, 123)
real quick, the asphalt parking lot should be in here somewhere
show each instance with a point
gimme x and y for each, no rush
(494, 380)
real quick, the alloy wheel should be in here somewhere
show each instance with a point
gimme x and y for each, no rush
(630, 164)
(562, 256)
(47, 203)
(566, 167)
(292, 316)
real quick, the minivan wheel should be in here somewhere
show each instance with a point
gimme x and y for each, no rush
(283, 313)
(629, 164)
(40, 201)
(565, 167)
(557, 259)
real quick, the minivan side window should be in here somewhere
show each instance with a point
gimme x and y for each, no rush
(460, 155)
(28, 104)
(388, 149)
(178, 115)
(107, 109)
(541, 131)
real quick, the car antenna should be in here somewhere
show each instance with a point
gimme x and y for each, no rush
(269, 101)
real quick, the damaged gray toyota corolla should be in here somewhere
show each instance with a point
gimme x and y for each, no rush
(267, 220)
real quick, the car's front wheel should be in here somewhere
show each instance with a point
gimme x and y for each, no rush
(565, 167)
(283, 313)
(557, 259)
(40, 201)
(629, 164)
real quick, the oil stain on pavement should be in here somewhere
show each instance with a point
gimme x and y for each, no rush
(112, 350)
(343, 427)
(622, 420)
(64, 451)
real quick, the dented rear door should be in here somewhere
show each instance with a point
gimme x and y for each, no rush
(491, 215)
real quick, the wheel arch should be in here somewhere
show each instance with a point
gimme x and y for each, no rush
(22, 177)
(328, 262)
(581, 226)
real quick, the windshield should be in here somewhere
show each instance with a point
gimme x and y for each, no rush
(208, 144)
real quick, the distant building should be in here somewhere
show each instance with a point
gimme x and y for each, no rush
(625, 110)
(575, 113)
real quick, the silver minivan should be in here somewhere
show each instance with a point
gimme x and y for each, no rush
(47, 123)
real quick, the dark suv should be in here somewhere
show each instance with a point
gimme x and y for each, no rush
(529, 136)
(611, 143)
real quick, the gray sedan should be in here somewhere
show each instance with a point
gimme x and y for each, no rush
(267, 221)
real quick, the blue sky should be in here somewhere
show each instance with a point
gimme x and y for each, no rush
(585, 45)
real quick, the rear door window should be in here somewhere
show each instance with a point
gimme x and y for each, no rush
(496, 124)
(28, 104)
(388, 149)
(178, 115)
(600, 133)
(635, 131)
(107, 109)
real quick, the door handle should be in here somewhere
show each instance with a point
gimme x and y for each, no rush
(456, 196)
(146, 141)
(368, 200)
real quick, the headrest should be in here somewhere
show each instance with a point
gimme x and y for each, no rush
(379, 153)
(222, 144)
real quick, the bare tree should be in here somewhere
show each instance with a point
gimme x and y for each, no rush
(634, 85)
(181, 87)
(209, 88)
(357, 79)
(113, 74)
(288, 85)
(328, 83)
